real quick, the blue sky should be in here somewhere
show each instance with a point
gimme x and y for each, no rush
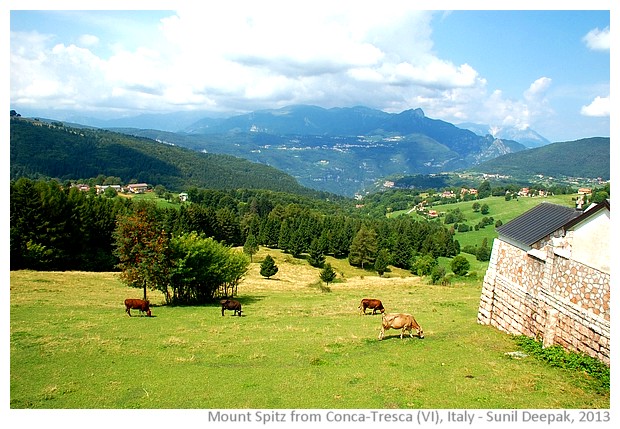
(548, 70)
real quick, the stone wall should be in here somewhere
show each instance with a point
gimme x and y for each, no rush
(552, 298)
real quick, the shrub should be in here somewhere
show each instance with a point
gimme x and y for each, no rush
(459, 265)
(423, 265)
(438, 274)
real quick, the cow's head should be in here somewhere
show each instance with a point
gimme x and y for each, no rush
(148, 312)
(420, 331)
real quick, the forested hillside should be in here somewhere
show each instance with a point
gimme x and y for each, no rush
(580, 158)
(58, 228)
(41, 150)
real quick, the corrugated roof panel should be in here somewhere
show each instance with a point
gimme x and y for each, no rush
(537, 223)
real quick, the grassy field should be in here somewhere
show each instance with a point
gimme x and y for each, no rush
(499, 209)
(297, 346)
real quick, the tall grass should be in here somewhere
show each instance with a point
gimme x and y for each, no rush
(297, 346)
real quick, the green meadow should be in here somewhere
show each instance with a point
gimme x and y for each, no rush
(299, 344)
(499, 209)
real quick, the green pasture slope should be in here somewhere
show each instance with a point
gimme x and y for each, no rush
(297, 346)
(499, 209)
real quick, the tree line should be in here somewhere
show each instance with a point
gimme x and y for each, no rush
(54, 227)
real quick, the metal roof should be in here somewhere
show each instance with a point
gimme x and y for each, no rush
(537, 223)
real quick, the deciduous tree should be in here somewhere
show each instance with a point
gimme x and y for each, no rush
(142, 247)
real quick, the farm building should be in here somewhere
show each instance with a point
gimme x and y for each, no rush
(549, 277)
(137, 188)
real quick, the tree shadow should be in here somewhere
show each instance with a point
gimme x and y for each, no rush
(215, 302)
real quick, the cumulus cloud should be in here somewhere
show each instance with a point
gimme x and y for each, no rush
(243, 58)
(230, 58)
(52, 75)
(537, 89)
(600, 107)
(598, 40)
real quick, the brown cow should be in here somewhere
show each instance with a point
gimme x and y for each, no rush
(231, 304)
(137, 304)
(402, 321)
(374, 304)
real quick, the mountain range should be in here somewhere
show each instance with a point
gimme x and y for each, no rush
(339, 150)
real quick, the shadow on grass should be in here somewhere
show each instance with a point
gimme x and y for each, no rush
(406, 337)
(244, 300)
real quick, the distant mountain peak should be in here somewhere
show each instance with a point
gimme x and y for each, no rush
(418, 113)
(524, 135)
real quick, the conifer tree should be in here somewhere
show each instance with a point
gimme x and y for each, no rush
(328, 274)
(268, 267)
(382, 261)
(251, 246)
(363, 248)
(316, 258)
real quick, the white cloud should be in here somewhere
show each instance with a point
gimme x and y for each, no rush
(537, 89)
(598, 40)
(599, 107)
(88, 40)
(232, 57)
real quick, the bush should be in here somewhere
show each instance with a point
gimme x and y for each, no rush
(203, 268)
(459, 265)
(463, 227)
(438, 274)
(423, 265)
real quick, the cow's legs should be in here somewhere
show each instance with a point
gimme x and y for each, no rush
(128, 311)
(382, 333)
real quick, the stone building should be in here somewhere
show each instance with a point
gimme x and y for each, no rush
(549, 278)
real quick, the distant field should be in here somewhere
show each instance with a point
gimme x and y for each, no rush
(499, 209)
(151, 196)
(297, 346)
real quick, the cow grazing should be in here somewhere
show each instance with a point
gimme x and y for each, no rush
(404, 322)
(231, 304)
(137, 304)
(374, 304)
